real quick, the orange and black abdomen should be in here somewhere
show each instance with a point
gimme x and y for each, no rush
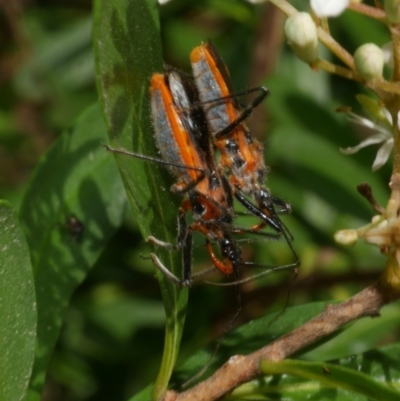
(173, 139)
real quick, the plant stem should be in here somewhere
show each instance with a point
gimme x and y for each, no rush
(369, 11)
(284, 6)
(337, 69)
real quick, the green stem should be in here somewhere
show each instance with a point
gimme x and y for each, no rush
(337, 69)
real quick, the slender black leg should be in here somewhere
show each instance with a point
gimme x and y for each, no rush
(244, 112)
(257, 212)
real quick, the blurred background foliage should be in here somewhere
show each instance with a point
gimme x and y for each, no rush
(111, 343)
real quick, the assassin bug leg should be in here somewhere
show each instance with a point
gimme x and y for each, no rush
(162, 244)
(245, 112)
(151, 159)
(157, 262)
(267, 270)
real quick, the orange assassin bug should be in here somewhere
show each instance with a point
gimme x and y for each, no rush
(182, 138)
(241, 154)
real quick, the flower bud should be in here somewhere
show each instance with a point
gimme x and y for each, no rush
(369, 61)
(392, 8)
(302, 37)
(346, 237)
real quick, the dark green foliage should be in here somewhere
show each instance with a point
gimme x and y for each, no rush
(99, 317)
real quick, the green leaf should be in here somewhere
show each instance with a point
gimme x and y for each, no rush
(333, 376)
(128, 50)
(17, 308)
(76, 177)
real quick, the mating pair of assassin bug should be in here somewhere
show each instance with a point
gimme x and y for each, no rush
(190, 119)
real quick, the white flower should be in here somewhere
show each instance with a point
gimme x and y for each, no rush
(380, 135)
(328, 8)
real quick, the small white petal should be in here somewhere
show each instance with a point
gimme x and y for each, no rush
(365, 122)
(329, 8)
(388, 116)
(372, 140)
(383, 154)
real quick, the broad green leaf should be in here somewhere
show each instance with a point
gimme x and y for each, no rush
(61, 59)
(128, 50)
(76, 178)
(333, 376)
(17, 308)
